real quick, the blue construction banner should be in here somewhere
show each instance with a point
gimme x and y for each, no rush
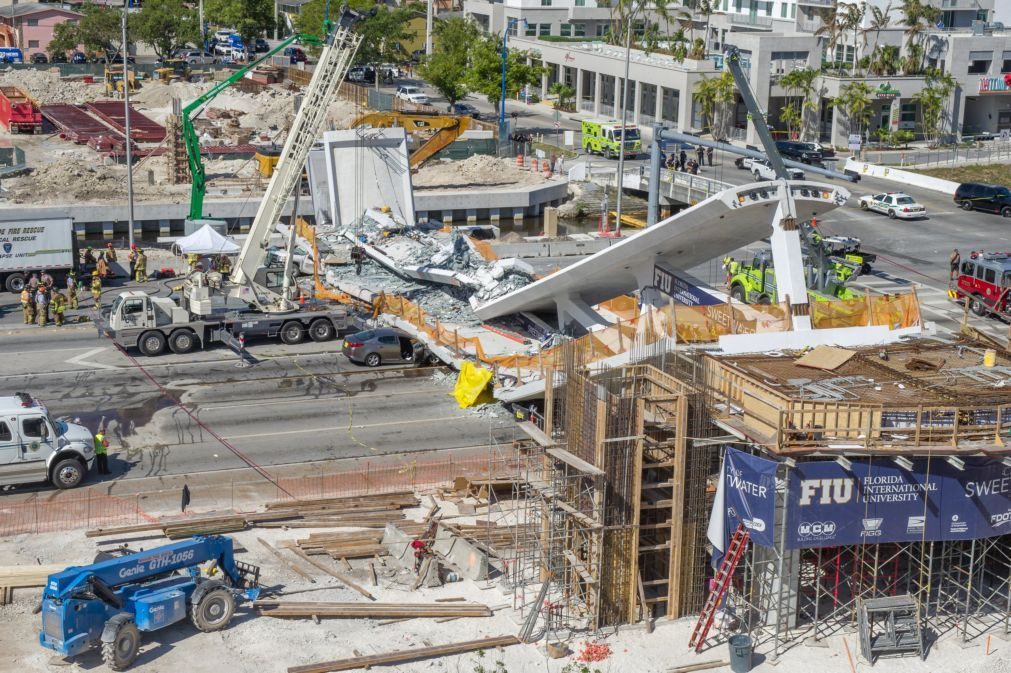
(748, 486)
(877, 501)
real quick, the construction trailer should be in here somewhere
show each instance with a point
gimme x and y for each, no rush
(623, 465)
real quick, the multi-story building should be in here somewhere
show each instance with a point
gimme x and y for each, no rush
(774, 38)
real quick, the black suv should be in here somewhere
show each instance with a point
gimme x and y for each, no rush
(988, 198)
(799, 151)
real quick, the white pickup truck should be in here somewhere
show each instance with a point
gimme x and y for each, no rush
(36, 447)
(761, 169)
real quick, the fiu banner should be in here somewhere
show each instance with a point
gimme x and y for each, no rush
(746, 495)
(878, 501)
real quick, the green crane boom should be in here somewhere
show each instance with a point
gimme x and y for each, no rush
(199, 187)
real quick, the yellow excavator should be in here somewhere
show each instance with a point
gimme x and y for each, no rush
(444, 128)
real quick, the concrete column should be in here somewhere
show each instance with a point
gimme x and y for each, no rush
(471, 215)
(597, 91)
(637, 101)
(838, 130)
(494, 214)
(685, 103)
(108, 230)
(579, 89)
(164, 227)
(544, 82)
(80, 231)
(447, 217)
(658, 104)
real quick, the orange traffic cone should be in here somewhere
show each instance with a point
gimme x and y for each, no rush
(519, 161)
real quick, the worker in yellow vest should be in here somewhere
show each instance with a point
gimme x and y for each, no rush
(59, 303)
(28, 305)
(140, 266)
(101, 452)
(96, 289)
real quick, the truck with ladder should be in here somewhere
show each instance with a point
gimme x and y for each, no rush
(984, 280)
(261, 297)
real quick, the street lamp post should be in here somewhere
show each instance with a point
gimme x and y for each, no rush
(624, 120)
(505, 56)
(129, 141)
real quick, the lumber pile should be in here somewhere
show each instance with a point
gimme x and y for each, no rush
(225, 524)
(281, 608)
(326, 507)
(404, 656)
(19, 577)
(353, 544)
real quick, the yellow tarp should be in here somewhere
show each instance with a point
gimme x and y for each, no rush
(472, 386)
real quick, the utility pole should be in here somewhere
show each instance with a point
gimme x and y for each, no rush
(429, 13)
(203, 31)
(129, 138)
(624, 120)
(277, 13)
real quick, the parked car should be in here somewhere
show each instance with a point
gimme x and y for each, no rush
(197, 57)
(296, 55)
(382, 346)
(761, 169)
(798, 151)
(364, 74)
(987, 198)
(827, 151)
(40, 58)
(894, 205)
(260, 45)
(58, 58)
(412, 94)
(78, 58)
(222, 35)
(466, 110)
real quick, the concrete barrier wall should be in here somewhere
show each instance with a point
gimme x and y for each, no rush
(902, 177)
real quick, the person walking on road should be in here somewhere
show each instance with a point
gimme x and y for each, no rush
(101, 452)
(72, 290)
(700, 152)
(96, 289)
(140, 267)
(59, 306)
(709, 155)
(28, 305)
(41, 307)
(954, 262)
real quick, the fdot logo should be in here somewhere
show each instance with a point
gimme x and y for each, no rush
(822, 530)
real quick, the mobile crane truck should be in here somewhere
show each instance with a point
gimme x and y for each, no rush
(108, 603)
(259, 297)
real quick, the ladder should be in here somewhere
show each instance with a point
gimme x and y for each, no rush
(334, 62)
(724, 575)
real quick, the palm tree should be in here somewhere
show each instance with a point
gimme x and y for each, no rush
(707, 7)
(717, 96)
(830, 29)
(855, 100)
(798, 83)
(851, 19)
(884, 60)
(879, 20)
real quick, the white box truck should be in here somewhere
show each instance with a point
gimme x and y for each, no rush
(36, 245)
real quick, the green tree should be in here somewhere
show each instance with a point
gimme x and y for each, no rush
(933, 100)
(565, 94)
(99, 29)
(799, 87)
(249, 18)
(485, 75)
(446, 67)
(165, 24)
(854, 99)
(718, 99)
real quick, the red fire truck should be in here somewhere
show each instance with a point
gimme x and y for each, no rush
(985, 278)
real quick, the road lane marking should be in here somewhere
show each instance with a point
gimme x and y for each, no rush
(304, 400)
(81, 360)
(344, 427)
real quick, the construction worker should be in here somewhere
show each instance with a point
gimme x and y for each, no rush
(28, 305)
(101, 452)
(96, 288)
(59, 303)
(41, 307)
(224, 265)
(110, 253)
(72, 290)
(140, 266)
(132, 257)
(192, 259)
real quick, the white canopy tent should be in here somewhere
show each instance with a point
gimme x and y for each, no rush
(206, 241)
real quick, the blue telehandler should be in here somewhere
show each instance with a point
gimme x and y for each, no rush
(108, 603)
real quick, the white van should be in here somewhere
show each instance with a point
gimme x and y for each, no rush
(36, 447)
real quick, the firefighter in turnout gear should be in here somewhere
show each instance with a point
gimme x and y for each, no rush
(140, 266)
(42, 307)
(72, 290)
(59, 306)
(28, 305)
(96, 288)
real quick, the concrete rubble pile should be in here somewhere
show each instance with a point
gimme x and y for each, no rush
(48, 87)
(438, 257)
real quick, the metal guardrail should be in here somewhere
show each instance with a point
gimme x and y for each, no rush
(685, 187)
(752, 20)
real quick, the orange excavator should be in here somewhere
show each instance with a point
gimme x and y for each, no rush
(444, 129)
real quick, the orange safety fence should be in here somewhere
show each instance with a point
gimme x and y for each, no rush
(66, 510)
(892, 310)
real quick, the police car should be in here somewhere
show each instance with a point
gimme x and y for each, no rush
(894, 205)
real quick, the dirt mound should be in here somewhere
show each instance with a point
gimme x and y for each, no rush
(479, 170)
(73, 179)
(49, 87)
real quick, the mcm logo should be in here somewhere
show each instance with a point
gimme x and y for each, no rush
(827, 491)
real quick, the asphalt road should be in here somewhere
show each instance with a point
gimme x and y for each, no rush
(300, 404)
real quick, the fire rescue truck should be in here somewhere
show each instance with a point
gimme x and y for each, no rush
(985, 279)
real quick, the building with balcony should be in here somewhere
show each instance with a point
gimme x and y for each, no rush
(774, 37)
